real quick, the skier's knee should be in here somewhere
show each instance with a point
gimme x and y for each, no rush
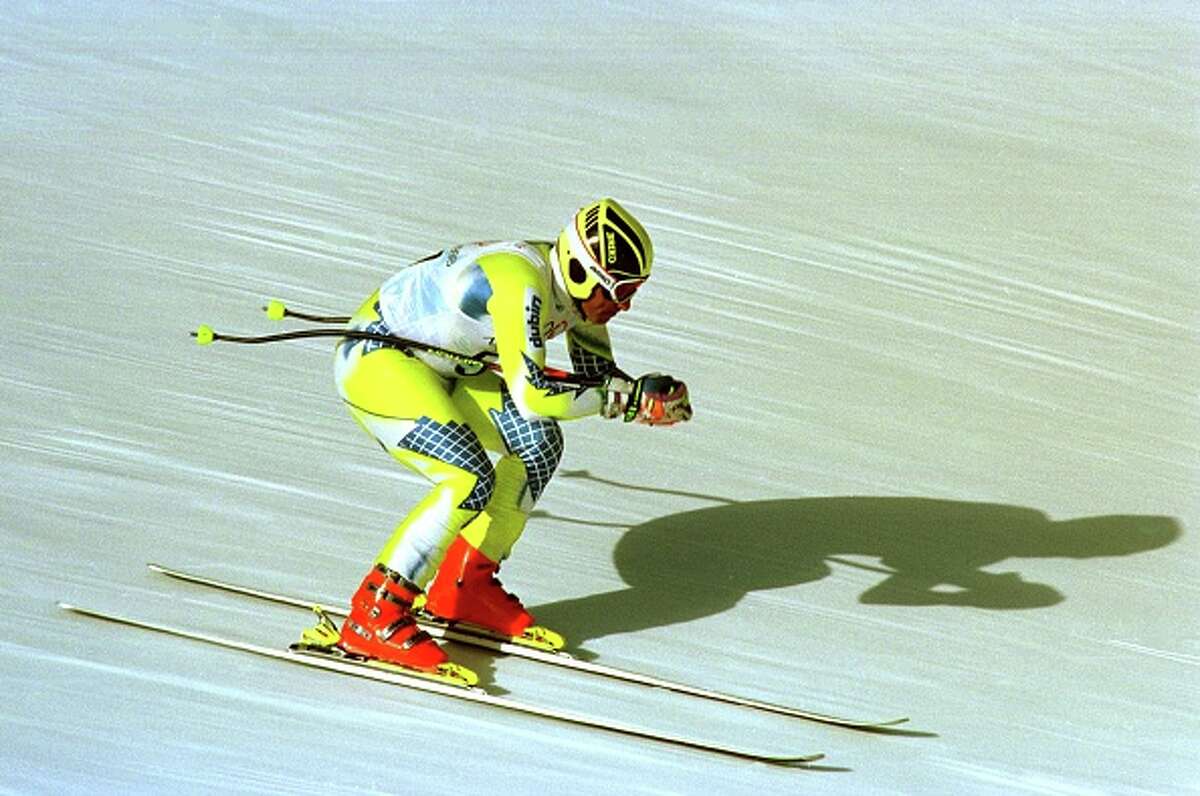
(456, 454)
(482, 488)
(538, 443)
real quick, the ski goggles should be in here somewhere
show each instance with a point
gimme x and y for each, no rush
(622, 290)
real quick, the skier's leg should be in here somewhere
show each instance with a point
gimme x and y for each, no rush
(406, 407)
(498, 527)
(466, 588)
(530, 451)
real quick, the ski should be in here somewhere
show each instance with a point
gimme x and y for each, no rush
(508, 646)
(396, 676)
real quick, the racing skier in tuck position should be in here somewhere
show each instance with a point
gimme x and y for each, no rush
(498, 303)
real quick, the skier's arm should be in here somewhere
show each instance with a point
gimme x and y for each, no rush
(653, 399)
(518, 307)
(590, 350)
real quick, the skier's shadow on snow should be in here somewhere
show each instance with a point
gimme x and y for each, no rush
(927, 552)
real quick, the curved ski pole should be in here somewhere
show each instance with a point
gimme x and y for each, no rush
(205, 335)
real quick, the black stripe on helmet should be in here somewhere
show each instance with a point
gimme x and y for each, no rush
(629, 263)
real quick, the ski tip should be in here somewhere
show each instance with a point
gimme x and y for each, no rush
(79, 610)
(163, 569)
(896, 728)
(891, 725)
(76, 609)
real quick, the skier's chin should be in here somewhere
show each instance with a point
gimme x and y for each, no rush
(604, 316)
(598, 314)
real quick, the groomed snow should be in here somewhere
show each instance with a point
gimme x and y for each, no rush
(929, 270)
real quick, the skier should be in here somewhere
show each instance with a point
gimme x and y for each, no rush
(498, 303)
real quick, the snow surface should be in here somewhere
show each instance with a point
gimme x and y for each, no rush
(929, 270)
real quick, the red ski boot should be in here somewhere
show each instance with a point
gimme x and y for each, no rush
(381, 625)
(466, 590)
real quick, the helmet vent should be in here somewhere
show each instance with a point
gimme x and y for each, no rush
(631, 256)
(623, 261)
(591, 235)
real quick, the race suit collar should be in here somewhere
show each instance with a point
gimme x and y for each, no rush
(558, 287)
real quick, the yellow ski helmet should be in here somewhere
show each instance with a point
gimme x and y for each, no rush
(604, 245)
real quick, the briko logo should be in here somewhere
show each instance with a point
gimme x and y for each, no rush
(610, 239)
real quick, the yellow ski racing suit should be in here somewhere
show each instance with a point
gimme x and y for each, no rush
(499, 303)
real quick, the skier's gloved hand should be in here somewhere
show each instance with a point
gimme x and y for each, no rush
(654, 399)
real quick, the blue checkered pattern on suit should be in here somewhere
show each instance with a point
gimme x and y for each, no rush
(588, 364)
(456, 444)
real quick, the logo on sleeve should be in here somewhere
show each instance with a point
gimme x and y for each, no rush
(533, 320)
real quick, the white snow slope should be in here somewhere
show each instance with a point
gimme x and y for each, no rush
(930, 272)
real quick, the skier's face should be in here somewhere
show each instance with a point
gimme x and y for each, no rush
(600, 308)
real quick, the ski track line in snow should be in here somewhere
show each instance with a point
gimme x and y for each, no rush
(1176, 657)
